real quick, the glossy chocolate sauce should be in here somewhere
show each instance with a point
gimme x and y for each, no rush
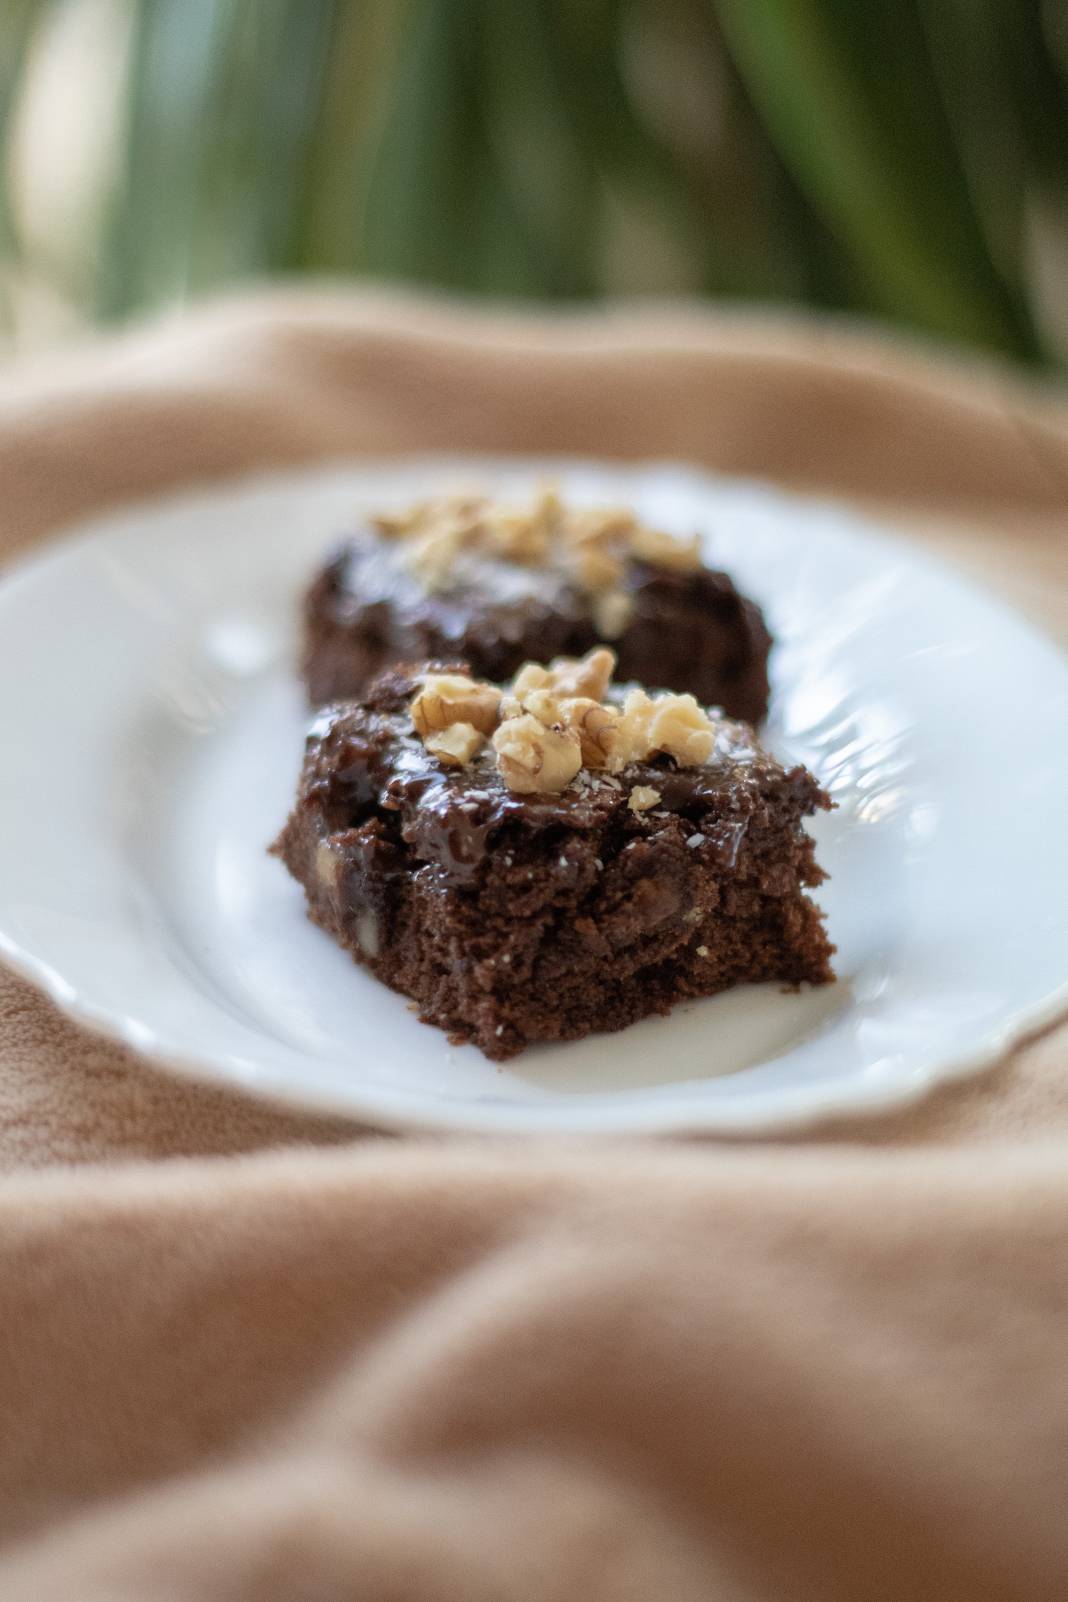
(688, 631)
(367, 761)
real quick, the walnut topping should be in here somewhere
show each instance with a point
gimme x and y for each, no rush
(554, 720)
(531, 676)
(455, 745)
(448, 698)
(596, 727)
(612, 612)
(548, 513)
(597, 569)
(672, 724)
(652, 545)
(588, 675)
(545, 706)
(602, 525)
(567, 676)
(632, 741)
(532, 757)
(517, 538)
(592, 544)
(392, 525)
(433, 555)
(681, 728)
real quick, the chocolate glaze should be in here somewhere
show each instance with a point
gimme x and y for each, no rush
(365, 761)
(688, 631)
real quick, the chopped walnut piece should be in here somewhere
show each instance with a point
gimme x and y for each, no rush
(447, 698)
(431, 556)
(642, 797)
(597, 569)
(652, 545)
(588, 675)
(531, 676)
(518, 538)
(544, 705)
(601, 525)
(532, 758)
(391, 525)
(435, 532)
(673, 724)
(612, 612)
(433, 564)
(440, 513)
(594, 543)
(548, 513)
(455, 745)
(554, 720)
(681, 728)
(632, 735)
(596, 727)
(567, 676)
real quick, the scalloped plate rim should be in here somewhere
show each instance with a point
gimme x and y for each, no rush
(812, 1105)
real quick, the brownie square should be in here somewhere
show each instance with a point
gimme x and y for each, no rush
(673, 622)
(514, 917)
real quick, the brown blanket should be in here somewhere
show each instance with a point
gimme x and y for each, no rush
(245, 1355)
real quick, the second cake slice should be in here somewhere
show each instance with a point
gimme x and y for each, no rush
(464, 576)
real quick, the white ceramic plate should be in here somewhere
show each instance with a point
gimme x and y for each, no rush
(151, 731)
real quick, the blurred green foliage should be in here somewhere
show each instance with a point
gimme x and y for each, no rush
(901, 158)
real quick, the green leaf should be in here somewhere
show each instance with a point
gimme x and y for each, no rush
(19, 22)
(223, 100)
(849, 100)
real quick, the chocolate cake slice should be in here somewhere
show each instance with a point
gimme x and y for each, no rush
(463, 577)
(553, 858)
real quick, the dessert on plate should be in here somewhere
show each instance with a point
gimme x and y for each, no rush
(543, 859)
(465, 578)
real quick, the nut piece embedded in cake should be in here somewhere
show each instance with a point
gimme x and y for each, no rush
(642, 798)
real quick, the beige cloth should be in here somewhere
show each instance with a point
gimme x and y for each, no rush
(246, 1355)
